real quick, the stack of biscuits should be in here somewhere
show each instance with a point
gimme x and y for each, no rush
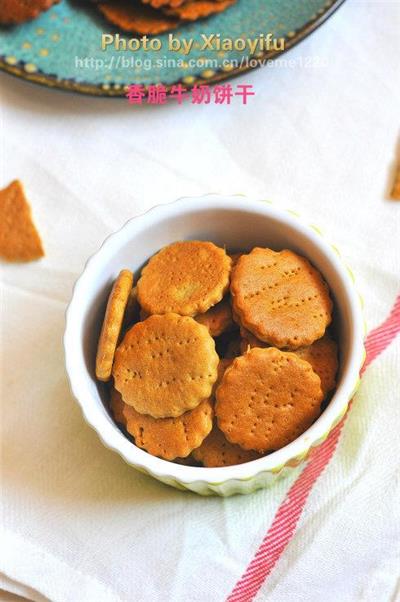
(143, 17)
(215, 359)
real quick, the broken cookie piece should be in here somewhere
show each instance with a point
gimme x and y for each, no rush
(19, 239)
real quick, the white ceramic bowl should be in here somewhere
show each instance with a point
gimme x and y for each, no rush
(236, 222)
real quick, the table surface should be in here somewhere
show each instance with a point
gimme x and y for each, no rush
(320, 136)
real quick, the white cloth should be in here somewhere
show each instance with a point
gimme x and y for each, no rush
(80, 524)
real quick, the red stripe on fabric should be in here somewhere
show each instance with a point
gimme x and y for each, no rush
(288, 514)
(380, 337)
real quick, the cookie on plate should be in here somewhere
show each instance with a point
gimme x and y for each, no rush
(165, 365)
(13, 12)
(136, 17)
(192, 10)
(186, 278)
(267, 398)
(281, 298)
(112, 324)
(163, 3)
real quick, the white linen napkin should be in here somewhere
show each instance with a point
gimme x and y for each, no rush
(79, 524)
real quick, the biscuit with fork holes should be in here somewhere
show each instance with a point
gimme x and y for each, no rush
(266, 399)
(186, 278)
(281, 298)
(165, 365)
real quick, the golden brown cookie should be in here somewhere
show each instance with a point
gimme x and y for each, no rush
(167, 3)
(137, 18)
(323, 357)
(217, 319)
(165, 365)
(267, 398)
(217, 451)
(168, 438)
(163, 3)
(112, 324)
(18, 11)
(192, 10)
(280, 298)
(186, 278)
(19, 239)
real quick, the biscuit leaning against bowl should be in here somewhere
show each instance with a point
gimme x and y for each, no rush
(238, 224)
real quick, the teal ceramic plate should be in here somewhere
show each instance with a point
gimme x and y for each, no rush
(62, 48)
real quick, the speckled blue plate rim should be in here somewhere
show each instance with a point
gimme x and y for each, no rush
(70, 85)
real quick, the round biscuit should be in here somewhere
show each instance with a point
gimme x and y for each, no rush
(281, 298)
(165, 365)
(267, 398)
(185, 277)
